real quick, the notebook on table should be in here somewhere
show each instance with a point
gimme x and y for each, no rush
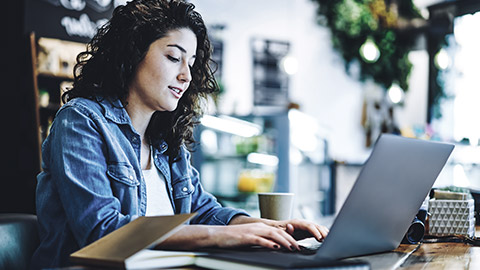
(387, 194)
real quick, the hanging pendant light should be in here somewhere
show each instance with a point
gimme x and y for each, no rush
(369, 51)
(396, 94)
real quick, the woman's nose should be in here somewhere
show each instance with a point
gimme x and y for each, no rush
(185, 74)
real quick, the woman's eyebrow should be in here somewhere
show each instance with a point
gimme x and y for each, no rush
(180, 48)
(177, 46)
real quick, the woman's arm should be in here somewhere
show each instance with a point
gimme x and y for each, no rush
(295, 227)
(209, 211)
(78, 169)
(244, 231)
(197, 236)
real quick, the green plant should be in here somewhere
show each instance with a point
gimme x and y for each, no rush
(385, 23)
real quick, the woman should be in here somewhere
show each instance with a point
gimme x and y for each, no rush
(117, 148)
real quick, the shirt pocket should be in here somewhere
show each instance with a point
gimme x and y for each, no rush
(123, 173)
(182, 188)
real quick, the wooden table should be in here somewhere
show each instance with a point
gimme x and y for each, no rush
(427, 256)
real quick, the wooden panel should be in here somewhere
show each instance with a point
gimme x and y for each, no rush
(35, 94)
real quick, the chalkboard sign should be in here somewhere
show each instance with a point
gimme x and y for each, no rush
(73, 20)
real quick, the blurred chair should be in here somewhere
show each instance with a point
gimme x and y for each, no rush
(18, 240)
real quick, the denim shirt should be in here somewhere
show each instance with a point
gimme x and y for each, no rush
(92, 181)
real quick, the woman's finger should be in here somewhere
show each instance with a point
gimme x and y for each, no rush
(261, 241)
(308, 228)
(281, 237)
(292, 242)
(323, 230)
(313, 229)
(290, 229)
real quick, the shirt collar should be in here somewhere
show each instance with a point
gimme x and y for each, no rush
(115, 111)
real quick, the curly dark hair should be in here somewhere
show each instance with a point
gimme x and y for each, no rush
(109, 63)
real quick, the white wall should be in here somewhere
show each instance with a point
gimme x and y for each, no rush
(414, 111)
(321, 86)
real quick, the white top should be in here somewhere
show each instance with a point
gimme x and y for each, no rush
(158, 202)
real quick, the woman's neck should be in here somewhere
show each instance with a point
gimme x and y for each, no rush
(140, 120)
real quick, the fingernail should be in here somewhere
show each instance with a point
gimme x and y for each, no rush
(292, 248)
(276, 247)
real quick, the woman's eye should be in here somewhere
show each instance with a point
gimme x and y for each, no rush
(173, 59)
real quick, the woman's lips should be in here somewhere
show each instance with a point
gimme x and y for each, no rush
(177, 92)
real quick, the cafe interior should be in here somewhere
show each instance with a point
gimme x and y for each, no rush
(306, 88)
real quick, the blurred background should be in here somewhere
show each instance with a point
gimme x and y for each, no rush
(307, 86)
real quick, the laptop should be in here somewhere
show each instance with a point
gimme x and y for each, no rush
(387, 194)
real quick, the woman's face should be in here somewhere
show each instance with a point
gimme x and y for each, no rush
(163, 76)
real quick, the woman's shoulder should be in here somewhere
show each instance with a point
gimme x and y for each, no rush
(75, 115)
(79, 106)
(81, 103)
(94, 107)
(99, 110)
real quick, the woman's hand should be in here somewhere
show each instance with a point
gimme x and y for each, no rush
(301, 229)
(245, 231)
(257, 233)
(254, 233)
(297, 228)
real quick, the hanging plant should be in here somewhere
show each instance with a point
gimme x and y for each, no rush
(373, 33)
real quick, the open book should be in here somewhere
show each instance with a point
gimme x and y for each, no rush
(119, 248)
(148, 259)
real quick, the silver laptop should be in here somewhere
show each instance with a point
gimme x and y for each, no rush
(387, 194)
